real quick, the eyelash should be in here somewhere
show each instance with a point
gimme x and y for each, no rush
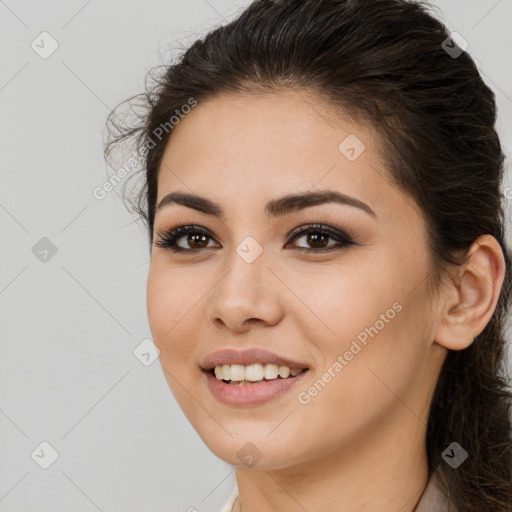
(168, 239)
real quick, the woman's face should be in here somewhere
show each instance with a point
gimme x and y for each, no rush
(357, 315)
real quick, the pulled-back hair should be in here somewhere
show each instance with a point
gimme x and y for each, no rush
(386, 63)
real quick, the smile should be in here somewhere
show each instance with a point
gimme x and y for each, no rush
(237, 374)
(244, 392)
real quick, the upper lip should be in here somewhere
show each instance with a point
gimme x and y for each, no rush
(248, 357)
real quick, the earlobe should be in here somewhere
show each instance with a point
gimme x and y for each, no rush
(469, 300)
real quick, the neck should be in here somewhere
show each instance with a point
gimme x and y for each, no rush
(385, 471)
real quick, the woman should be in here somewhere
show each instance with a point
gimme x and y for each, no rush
(329, 278)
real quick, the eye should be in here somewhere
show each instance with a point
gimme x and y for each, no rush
(197, 238)
(316, 235)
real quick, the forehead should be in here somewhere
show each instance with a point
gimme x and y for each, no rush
(251, 125)
(250, 147)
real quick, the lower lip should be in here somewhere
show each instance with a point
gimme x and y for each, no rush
(250, 394)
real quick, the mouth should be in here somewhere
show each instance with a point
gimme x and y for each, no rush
(239, 375)
(240, 391)
(251, 377)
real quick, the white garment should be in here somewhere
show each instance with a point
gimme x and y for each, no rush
(431, 500)
(228, 507)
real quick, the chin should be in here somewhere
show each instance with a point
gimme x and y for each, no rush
(252, 451)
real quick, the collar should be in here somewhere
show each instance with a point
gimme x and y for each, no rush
(432, 498)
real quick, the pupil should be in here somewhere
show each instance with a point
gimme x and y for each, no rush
(313, 240)
(192, 241)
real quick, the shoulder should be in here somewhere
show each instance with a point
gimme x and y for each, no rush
(228, 506)
(433, 497)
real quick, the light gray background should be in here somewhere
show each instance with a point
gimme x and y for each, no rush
(68, 327)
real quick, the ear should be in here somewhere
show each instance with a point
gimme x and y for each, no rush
(469, 300)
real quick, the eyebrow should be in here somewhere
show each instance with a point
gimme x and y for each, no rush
(274, 208)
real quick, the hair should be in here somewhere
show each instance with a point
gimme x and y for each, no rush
(384, 63)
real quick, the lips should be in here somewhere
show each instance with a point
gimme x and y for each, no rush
(254, 394)
(248, 357)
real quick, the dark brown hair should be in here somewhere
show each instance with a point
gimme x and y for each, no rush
(386, 63)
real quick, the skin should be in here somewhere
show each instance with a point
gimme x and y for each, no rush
(359, 444)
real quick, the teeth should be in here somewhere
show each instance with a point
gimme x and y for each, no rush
(271, 371)
(226, 370)
(254, 372)
(236, 372)
(284, 372)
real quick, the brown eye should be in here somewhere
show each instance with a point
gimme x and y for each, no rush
(195, 236)
(317, 236)
(197, 241)
(318, 241)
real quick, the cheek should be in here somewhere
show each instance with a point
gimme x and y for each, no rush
(371, 313)
(171, 297)
(342, 301)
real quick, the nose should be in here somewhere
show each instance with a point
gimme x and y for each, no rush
(246, 295)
